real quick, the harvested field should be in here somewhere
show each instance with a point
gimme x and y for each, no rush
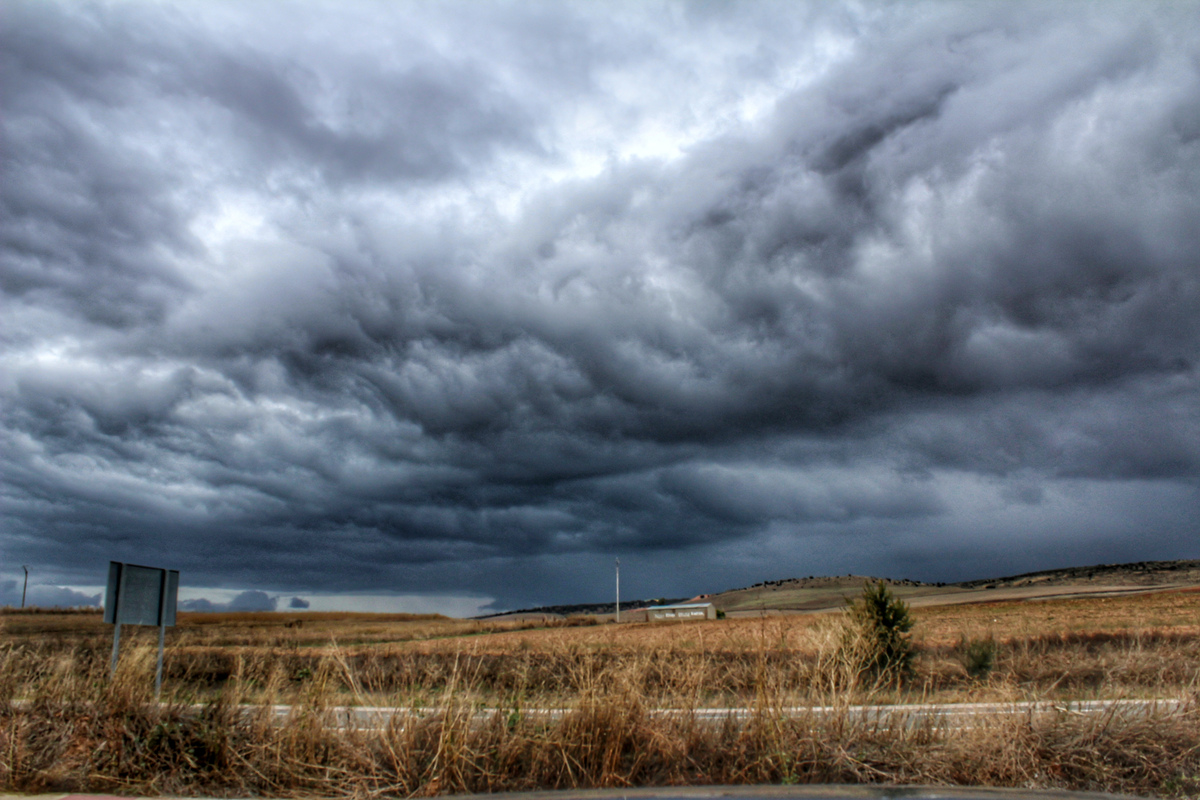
(64, 726)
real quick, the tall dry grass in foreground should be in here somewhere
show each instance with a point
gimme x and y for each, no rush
(65, 727)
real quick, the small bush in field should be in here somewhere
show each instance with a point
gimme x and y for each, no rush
(978, 655)
(879, 626)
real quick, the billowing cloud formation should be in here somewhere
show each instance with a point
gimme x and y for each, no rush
(298, 602)
(408, 298)
(253, 600)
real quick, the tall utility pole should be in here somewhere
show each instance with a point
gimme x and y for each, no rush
(26, 586)
(618, 590)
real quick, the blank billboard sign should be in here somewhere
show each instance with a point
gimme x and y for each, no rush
(139, 595)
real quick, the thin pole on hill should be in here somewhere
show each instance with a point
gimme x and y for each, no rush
(618, 590)
(26, 586)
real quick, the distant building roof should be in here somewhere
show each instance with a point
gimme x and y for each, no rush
(680, 605)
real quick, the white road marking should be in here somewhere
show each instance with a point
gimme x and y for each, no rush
(912, 715)
(947, 715)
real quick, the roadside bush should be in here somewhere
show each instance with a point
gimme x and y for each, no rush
(879, 627)
(978, 655)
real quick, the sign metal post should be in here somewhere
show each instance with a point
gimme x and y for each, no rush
(162, 634)
(113, 601)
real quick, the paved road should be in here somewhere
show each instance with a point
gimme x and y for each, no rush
(946, 715)
(942, 715)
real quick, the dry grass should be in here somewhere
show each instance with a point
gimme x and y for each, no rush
(65, 727)
(1175, 611)
(69, 628)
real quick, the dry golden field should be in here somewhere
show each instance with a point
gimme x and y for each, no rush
(65, 726)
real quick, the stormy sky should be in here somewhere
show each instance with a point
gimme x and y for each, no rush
(459, 301)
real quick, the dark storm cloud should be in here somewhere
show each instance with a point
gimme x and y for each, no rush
(108, 111)
(407, 299)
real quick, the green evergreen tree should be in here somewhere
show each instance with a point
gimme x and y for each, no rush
(883, 622)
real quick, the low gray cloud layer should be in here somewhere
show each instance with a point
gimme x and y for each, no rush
(249, 600)
(44, 595)
(406, 298)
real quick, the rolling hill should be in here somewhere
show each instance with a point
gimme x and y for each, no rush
(823, 593)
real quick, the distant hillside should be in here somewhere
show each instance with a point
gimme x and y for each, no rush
(589, 608)
(815, 593)
(818, 593)
(1141, 573)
